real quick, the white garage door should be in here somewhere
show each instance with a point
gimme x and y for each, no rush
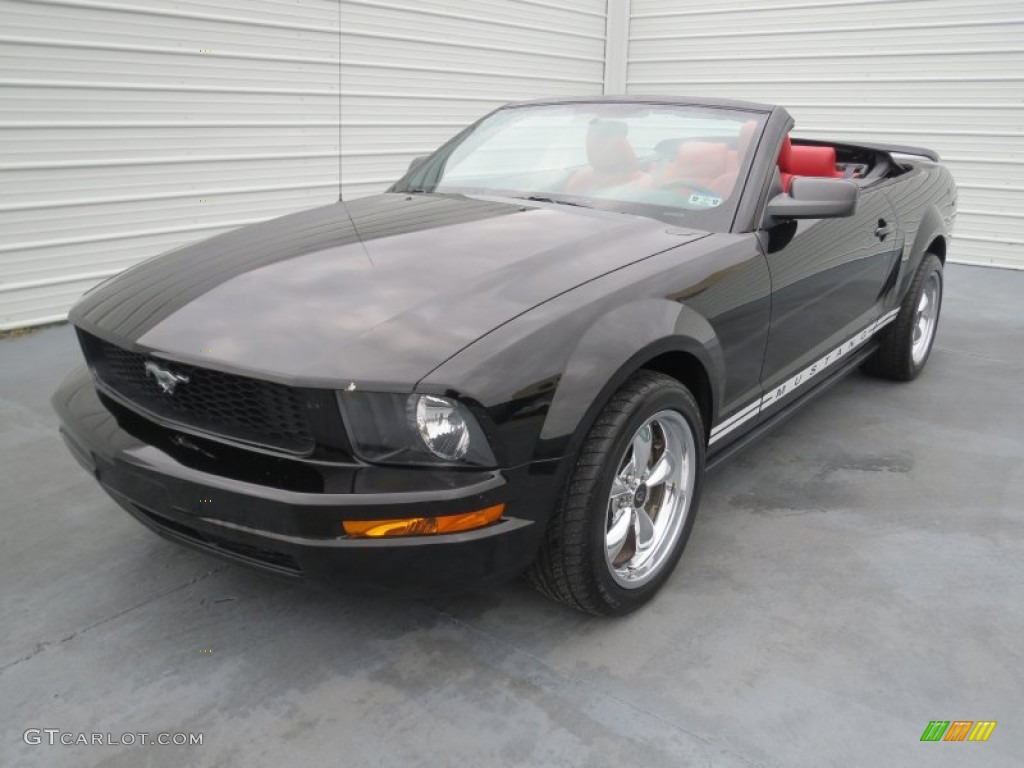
(942, 74)
(414, 74)
(130, 127)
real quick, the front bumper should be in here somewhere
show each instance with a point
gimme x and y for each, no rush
(299, 534)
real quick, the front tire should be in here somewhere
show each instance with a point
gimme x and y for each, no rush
(907, 343)
(630, 503)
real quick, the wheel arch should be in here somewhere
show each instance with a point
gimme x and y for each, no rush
(688, 370)
(930, 231)
(679, 343)
(938, 247)
(930, 237)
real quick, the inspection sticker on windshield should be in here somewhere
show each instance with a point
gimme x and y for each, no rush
(705, 201)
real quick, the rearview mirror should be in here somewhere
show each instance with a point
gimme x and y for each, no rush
(814, 198)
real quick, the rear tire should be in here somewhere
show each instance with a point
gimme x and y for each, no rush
(907, 343)
(630, 502)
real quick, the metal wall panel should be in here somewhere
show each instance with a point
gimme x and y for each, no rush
(130, 127)
(936, 73)
(134, 126)
(415, 73)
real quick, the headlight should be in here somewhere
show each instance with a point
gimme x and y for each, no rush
(413, 429)
(442, 426)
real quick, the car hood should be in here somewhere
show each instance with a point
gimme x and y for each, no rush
(378, 291)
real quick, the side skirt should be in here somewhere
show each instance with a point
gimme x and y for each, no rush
(715, 459)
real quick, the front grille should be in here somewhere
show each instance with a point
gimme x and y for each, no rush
(236, 407)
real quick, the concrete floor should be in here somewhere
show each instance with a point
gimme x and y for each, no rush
(854, 575)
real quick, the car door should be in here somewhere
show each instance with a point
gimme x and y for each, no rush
(828, 280)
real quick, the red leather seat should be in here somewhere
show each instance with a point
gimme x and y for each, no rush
(814, 161)
(785, 160)
(724, 184)
(806, 160)
(612, 161)
(698, 161)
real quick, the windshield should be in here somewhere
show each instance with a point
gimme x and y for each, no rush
(674, 161)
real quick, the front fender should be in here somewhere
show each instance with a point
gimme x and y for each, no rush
(542, 381)
(617, 345)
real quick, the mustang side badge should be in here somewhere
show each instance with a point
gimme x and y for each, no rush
(165, 379)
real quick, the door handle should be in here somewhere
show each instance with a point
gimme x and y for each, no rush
(883, 230)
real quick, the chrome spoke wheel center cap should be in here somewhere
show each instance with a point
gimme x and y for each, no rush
(640, 496)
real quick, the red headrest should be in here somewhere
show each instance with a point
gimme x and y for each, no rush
(785, 155)
(812, 161)
(702, 159)
(610, 154)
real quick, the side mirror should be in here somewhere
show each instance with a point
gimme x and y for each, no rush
(416, 163)
(814, 198)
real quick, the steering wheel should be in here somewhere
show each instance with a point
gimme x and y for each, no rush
(690, 185)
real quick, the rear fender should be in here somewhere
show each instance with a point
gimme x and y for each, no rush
(926, 207)
(930, 227)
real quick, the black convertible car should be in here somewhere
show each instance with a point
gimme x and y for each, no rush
(522, 357)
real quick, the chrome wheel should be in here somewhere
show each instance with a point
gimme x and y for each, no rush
(650, 499)
(926, 317)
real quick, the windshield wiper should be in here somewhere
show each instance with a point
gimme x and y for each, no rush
(539, 199)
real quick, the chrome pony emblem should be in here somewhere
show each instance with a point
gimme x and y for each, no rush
(165, 379)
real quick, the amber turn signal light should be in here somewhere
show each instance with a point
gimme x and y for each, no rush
(423, 526)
